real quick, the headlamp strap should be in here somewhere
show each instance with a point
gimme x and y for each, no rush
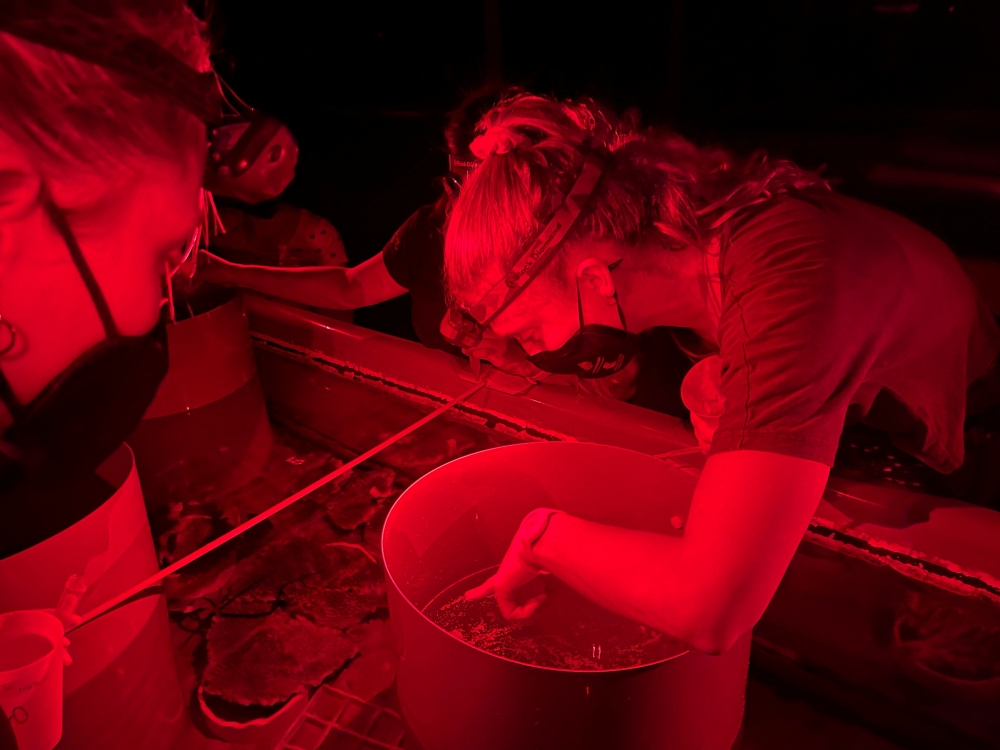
(66, 27)
(540, 251)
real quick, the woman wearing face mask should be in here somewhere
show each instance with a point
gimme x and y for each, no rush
(804, 309)
(412, 261)
(102, 151)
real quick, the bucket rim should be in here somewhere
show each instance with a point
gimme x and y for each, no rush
(118, 454)
(223, 297)
(392, 581)
(54, 623)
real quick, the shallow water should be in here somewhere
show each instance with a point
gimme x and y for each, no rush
(567, 632)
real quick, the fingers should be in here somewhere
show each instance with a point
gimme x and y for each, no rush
(482, 591)
(513, 611)
(509, 607)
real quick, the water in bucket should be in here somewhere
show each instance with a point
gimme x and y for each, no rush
(567, 632)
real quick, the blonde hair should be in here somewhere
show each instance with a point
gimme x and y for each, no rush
(654, 183)
(69, 113)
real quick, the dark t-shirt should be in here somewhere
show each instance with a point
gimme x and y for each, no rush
(833, 311)
(414, 258)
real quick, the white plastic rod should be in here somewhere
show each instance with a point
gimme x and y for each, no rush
(277, 508)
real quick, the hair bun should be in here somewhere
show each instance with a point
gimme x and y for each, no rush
(498, 139)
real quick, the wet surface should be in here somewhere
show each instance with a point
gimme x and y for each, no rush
(567, 632)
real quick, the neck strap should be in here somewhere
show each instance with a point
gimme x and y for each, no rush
(58, 220)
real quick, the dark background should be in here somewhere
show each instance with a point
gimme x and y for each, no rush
(900, 99)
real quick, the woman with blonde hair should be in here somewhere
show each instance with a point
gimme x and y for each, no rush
(803, 309)
(103, 142)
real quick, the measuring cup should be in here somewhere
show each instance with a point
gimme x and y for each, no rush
(31, 677)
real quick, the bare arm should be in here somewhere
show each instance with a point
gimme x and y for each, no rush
(710, 586)
(332, 287)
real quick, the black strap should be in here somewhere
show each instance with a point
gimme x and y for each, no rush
(11, 401)
(100, 303)
(83, 31)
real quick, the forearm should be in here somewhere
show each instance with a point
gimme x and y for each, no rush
(637, 574)
(747, 517)
(325, 286)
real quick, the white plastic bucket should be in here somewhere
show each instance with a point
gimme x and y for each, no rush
(31, 677)
(122, 689)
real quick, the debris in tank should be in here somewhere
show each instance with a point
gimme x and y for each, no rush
(264, 661)
(197, 516)
(948, 641)
(359, 499)
(420, 453)
(374, 670)
(186, 535)
(286, 620)
(312, 570)
(307, 576)
(293, 465)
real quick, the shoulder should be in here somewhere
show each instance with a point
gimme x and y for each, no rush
(783, 219)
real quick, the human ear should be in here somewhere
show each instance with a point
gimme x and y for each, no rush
(20, 183)
(595, 275)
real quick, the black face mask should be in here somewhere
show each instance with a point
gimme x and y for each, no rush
(83, 415)
(594, 351)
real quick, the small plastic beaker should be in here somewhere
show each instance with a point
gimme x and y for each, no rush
(31, 677)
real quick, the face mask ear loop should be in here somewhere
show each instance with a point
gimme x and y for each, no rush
(8, 398)
(621, 313)
(58, 220)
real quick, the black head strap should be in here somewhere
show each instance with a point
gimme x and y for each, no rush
(106, 41)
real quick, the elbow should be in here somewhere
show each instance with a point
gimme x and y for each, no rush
(715, 642)
(354, 294)
(712, 630)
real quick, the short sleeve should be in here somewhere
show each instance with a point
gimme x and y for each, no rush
(797, 337)
(408, 247)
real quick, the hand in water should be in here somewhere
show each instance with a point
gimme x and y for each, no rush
(517, 569)
(507, 582)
